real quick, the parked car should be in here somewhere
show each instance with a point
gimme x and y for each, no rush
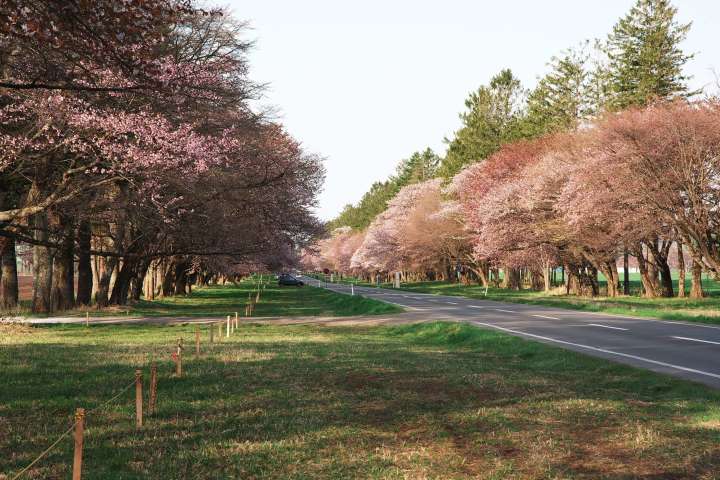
(286, 279)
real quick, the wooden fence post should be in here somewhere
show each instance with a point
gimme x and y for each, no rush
(138, 398)
(79, 430)
(197, 341)
(227, 330)
(212, 335)
(237, 323)
(87, 319)
(153, 389)
(219, 325)
(178, 364)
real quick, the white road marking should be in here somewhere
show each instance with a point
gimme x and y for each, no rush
(645, 319)
(545, 316)
(501, 310)
(605, 326)
(602, 350)
(452, 303)
(696, 340)
(476, 306)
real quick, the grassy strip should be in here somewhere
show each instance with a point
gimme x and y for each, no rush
(432, 400)
(274, 301)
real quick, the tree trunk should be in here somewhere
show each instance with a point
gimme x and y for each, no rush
(609, 271)
(696, 290)
(168, 277)
(121, 288)
(42, 267)
(140, 274)
(681, 270)
(8, 274)
(658, 253)
(646, 277)
(654, 266)
(626, 273)
(107, 268)
(63, 285)
(511, 280)
(180, 277)
(85, 275)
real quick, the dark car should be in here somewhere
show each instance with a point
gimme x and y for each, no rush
(288, 280)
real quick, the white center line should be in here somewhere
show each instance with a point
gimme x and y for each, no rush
(501, 310)
(605, 326)
(545, 316)
(602, 350)
(452, 303)
(696, 340)
(476, 306)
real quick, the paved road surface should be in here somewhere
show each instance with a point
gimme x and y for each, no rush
(687, 350)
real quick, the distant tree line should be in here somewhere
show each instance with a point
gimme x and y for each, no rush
(609, 156)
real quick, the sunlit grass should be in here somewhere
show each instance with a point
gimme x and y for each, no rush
(431, 400)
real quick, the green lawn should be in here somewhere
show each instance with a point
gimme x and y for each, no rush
(274, 301)
(434, 400)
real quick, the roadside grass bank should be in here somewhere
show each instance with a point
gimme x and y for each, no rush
(434, 400)
(221, 300)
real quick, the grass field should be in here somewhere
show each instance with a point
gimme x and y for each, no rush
(418, 401)
(274, 301)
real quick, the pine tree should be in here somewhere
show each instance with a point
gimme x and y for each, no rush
(645, 58)
(564, 98)
(492, 118)
(420, 166)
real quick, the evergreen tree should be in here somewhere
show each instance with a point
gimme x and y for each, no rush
(420, 166)
(645, 58)
(492, 118)
(563, 98)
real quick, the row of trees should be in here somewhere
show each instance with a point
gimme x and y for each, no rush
(606, 158)
(130, 157)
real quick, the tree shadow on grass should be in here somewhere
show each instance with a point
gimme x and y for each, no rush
(302, 408)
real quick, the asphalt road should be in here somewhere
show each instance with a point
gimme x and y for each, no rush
(687, 350)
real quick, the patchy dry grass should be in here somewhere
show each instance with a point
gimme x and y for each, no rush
(419, 401)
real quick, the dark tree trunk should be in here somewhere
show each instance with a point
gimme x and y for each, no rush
(181, 268)
(85, 276)
(8, 274)
(592, 277)
(137, 286)
(626, 273)
(167, 283)
(42, 267)
(121, 288)
(63, 289)
(511, 279)
(659, 254)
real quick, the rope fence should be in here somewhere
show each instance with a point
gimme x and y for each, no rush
(230, 324)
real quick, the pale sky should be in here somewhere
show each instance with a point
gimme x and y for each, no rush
(365, 84)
